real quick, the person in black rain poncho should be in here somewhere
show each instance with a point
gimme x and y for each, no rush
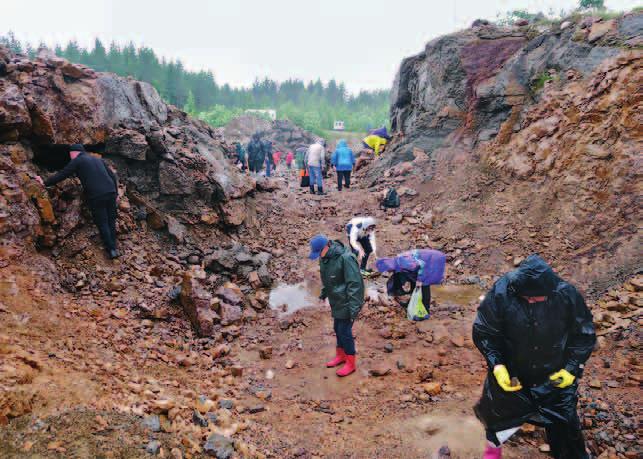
(536, 333)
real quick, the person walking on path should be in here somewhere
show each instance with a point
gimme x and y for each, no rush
(267, 151)
(343, 160)
(316, 160)
(419, 268)
(361, 238)
(256, 156)
(536, 333)
(100, 185)
(242, 157)
(343, 286)
(289, 159)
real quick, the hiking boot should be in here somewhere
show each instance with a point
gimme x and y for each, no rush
(340, 357)
(320, 191)
(113, 253)
(348, 368)
(312, 189)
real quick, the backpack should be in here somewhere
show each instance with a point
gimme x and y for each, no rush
(391, 200)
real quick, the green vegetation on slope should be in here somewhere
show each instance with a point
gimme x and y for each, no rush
(314, 105)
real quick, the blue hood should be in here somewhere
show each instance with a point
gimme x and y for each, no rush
(342, 144)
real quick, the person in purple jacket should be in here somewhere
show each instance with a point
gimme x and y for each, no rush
(419, 268)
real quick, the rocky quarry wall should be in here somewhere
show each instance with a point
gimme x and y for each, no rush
(533, 126)
(180, 195)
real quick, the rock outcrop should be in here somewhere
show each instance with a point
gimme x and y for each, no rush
(466, 86)
(284, 134)
(171, 166)
(527, 135)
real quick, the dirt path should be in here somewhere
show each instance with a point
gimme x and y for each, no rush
(316, 414)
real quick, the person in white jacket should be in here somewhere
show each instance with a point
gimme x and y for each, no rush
(361, 237)
(316, 160)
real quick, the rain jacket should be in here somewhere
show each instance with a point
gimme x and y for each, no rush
(241, 153)
(342, 282)
(95, 176)
(533, 341)
(343, 158)
(357, 228)
(316, 156)
(289, 158)
(300, 158)
(427, 265)
(255, 151)
(375, 143)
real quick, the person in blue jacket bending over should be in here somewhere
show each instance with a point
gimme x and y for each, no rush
(343, 161)
(419, 268)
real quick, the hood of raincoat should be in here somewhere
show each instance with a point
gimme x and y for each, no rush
(368, 222)
(342, 144)
(534, 277)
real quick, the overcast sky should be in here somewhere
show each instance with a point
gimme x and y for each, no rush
(360, 42)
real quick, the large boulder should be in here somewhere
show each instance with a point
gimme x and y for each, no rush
(157, 149)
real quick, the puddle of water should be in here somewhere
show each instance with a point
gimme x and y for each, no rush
(463, 434)
(458, 294)
(287, 298)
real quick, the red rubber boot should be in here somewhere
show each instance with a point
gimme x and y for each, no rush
(491, 452)
(340, 357)
(349, 366)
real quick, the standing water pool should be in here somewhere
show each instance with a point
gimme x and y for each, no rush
(288, 298)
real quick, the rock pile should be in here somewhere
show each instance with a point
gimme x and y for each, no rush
(284, 134)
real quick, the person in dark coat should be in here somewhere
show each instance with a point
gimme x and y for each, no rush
(535, 328)
(267, 152)
(101, 189)
(343, 286)
(256, 155)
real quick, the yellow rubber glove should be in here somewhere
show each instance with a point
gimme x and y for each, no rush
(504, 381)
(563, 378)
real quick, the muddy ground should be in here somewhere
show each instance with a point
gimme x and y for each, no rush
(88, 375)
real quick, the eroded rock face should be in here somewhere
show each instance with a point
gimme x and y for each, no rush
(171, 161)
(464, 86)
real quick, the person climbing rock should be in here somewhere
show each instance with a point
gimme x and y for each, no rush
(343, 160)
(267, 152)
(536, 333)
(343, 286)
(316, 162)
(418, 268)
(255, 151)
(375, 143)
(100, 185)
(361, 237)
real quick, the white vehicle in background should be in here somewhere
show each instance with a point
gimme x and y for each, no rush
(338, 126)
